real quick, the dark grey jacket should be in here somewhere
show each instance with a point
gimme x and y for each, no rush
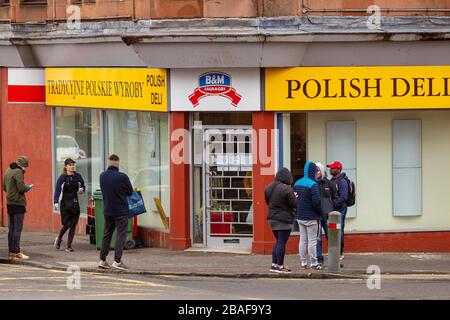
(115, 186)
(326, 196)
(280, 198)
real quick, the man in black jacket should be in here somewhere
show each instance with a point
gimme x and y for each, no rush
(115, 186)
(326, 202)
(340, 195)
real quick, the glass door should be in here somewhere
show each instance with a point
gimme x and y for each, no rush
(228, 187)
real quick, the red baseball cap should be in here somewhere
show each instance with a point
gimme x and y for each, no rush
(335, 164)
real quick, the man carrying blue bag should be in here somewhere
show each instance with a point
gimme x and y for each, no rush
(116, 187)
(136, 204)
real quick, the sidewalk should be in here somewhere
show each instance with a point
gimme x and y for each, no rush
(157, 261)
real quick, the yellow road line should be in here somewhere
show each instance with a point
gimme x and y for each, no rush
(118, 294)
(89, 275)
(30, 278)
(32, 290)
(143, 283)
(415, 277)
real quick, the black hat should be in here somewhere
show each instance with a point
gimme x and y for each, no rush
(68, 161)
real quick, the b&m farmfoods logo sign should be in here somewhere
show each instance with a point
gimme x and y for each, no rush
(215, 84)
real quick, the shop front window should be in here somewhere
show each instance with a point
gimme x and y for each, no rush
(141, 140)
(297, 142)
(78, 136)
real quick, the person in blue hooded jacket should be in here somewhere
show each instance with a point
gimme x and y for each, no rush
(308, 215)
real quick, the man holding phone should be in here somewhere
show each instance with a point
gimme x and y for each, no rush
(15, 188)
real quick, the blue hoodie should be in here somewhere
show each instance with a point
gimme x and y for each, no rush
(308, 201)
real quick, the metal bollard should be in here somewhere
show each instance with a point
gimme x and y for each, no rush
(334, 241)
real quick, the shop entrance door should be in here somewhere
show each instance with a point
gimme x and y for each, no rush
(228, 186)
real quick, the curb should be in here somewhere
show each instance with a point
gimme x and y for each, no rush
(309, 275)
(257, 275)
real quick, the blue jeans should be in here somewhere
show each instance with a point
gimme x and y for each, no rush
(279, 250)
(15, 230)
(324, 226)
(343, 214)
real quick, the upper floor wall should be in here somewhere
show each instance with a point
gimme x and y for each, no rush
(22, 11)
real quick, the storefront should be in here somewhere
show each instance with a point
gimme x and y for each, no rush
(86, 114)
(218, 104)
(389, 128)
(206, 143)
(100, 111)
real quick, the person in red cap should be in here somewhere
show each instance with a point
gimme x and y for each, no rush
(340, 191)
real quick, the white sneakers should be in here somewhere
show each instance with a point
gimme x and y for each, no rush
(119, 265)
(116, 265)
(104, 265)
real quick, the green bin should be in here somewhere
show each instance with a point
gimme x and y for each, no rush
(100, 225)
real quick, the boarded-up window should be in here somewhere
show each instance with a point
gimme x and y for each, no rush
(341, 146)
(407, 167)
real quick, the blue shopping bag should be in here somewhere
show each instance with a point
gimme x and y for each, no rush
(136, 204)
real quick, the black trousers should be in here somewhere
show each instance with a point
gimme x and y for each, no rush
(279, 249)
(70, 222)
(111, 223)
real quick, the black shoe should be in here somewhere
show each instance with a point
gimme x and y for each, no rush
(283, 269)
(317, 267)
(69, 249)
(273, 269)
(57, 243)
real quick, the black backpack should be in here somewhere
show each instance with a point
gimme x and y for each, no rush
(351, 198)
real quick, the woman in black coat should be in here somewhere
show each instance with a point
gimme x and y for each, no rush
(69, 185)
(281, 199)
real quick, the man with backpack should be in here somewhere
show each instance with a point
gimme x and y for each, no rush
(340, 190)
(326, 203)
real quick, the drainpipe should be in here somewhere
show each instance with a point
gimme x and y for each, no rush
(3, 102)
(54, 11)
(134, 11)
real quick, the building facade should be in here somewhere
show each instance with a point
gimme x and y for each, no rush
(205, 100)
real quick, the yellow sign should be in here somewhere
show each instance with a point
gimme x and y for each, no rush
(357, 88)
(110, 88)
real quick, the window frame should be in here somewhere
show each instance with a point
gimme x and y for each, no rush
(33, 2)
(420, 211)
(55, 173)
(352, 212)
